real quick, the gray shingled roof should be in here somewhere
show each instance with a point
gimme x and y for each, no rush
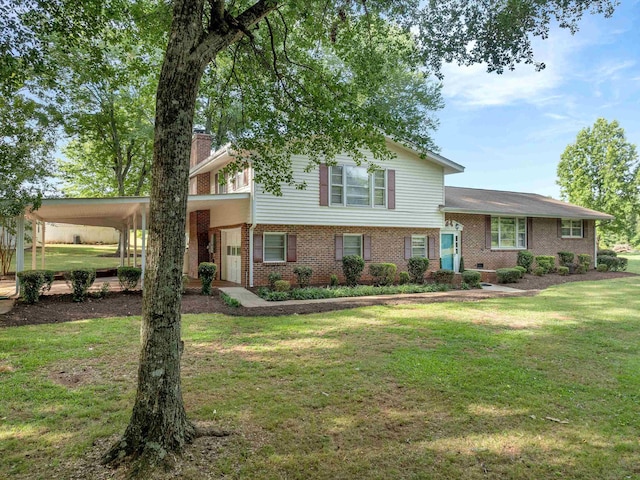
(491, 202)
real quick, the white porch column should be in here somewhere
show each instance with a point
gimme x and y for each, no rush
(34, 241)
(42, 262)
(19, 249)
(135, 239)
(128, 240)
(122, 247)
(143, 258)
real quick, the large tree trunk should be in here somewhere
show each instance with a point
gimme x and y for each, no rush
(159, 423)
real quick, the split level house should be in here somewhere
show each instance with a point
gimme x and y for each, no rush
(400, 211)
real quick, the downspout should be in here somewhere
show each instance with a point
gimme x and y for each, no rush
(595, 245)
(253, 226)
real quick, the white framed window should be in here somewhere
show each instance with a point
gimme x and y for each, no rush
(508, 232)
(355, 187)
(351, 244)
(419, 246)
(571, 228)
(275, 247)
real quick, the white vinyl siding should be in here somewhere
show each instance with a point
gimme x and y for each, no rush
(508, 232)
(352, 245)
(419, 187)
(418, 246)
(275, 247)
(571, 228)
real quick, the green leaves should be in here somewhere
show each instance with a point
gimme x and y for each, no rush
(601, 171)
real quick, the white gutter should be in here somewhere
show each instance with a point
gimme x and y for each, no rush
(209, 161)
(595, 245)
(253, 226)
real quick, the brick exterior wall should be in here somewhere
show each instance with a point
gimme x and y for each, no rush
(543, 240)
(316, 249)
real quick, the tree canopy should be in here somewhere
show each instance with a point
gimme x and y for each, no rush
(601, 171)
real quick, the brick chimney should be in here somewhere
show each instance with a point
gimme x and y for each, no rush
(200, 147)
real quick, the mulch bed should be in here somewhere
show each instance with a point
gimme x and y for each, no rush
(60, 308)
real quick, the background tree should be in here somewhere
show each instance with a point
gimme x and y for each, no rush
(601, 171)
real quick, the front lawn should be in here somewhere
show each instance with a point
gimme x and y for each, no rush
(64, 257)
(528, 388)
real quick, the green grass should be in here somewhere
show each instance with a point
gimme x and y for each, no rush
(66, 257)
(446, 391)
(634, 262)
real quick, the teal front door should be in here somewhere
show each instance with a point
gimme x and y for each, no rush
(447, 250)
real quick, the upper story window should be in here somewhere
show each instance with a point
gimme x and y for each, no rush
(355, 187)
(508, 232)
(571, 228)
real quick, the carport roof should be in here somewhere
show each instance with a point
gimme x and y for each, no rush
(116, 211)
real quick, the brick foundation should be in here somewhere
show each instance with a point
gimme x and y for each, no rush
(543, 240)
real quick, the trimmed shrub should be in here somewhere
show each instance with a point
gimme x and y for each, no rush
(580, 269)
(443, 276)
(333, 280)
(525, 259)
(31, 284)
(584, 259)
(282, 286)
(508, 275)
(207, 272)
(128, 277)
(471, 278)
(403, 278)
(80, 280)
(608, 252)
(230, 301)
(461, 267)
(304, 275)
(615, 264)
(566, 257)
(539, 271)
(562, 270)
(273, 278)
(352, 267)
(602, 268)
(417, 267)
(521, 269)
(465, 286)
(547, 262)
(383, 273)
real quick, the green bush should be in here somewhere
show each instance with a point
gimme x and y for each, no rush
(230, 301)
(443, 276)
(80, 280)
(508, 275)
(562, 270)
(383, 273)
(333, 280)
(31, 284)
(282, 286)
(581, 269)
(311, 293)
(584, 259)
(521, 269)
(417, 267)
(614, 264)
(128, 277)
(607, 252)
(304, 275)
(547, 262)
(465, 286)
(566, 257)
(185, 282)
(471, 278)
(273, 278)
(403, 278)
(276, 296)
(603, 268)
(461, 267)
(207, 273)
(352, 267)
(539, 271)
(525, 259)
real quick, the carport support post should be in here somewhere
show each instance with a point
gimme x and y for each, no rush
(42, 250)
(19, 249)
(34, 241)
(122, 246)
(143, 258)
(135, 240)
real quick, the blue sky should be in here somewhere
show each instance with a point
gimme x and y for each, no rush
(509, 130)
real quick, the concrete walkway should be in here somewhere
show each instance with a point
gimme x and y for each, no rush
(251, 300)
